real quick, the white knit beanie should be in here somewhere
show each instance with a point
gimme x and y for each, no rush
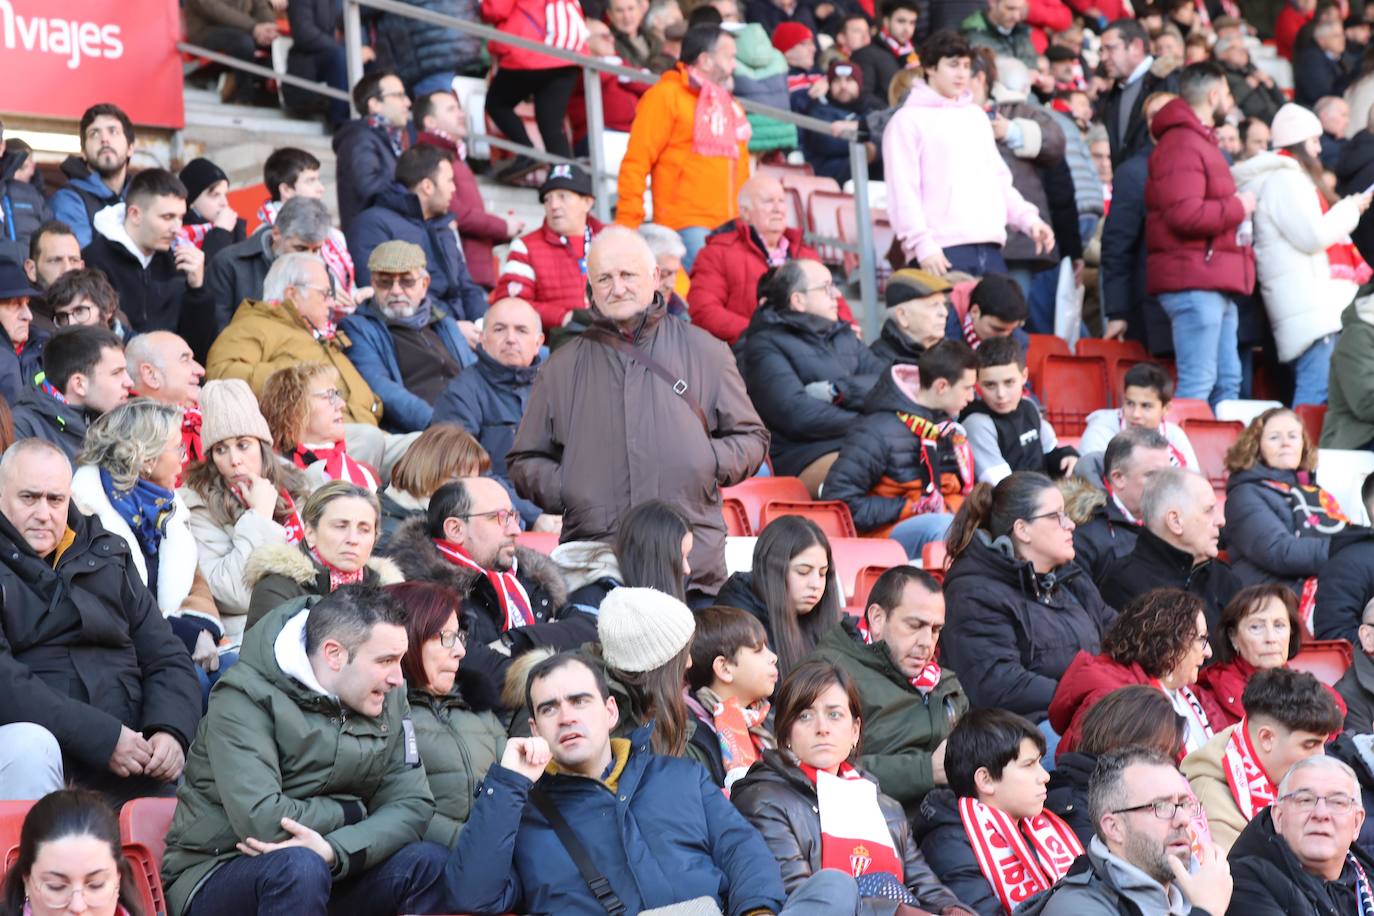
(229, 410)
(1293, 124)
(642, 628)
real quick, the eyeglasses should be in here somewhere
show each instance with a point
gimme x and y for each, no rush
(1305, 802)
(1164, 808)
(448, 637)
(325, 291)
(99, 894)
(406, 282)
(503, 516)
(398, 94)
(78, 314)
(331, 395)
(828, 287)
(1061, 517)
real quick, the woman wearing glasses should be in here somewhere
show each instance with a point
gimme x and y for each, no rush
(1019, 608)
(340, 529)
(457, 731)
(305, 412)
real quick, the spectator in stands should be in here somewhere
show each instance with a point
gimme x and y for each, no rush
(949, 142)
(522, 74)
(317, 54)
(289, 172)
(1334, 115)
(650, 551)
(240, 496)
(270, 748)
(1294, 15)
(805, 369)
(917, 311)
(1160, 638)
(301, 225)
(84, 375)
(23, 204)
(85, 297)
(89, 657)
(1005, 429)
(732, 675)
(457, 733)
(1147, 391)
(725, 278)
(19, 356)
(619, 95)
(1349, 422)
(1289, 715)
(1126, 56)
(1141, 850)
(443, 124)
(668, 251)
(1002, 27)
(909, 701)
(1109, 533)
(694, 177)
(804, 799)
(163, 369)
(416, 210)
(1012, 550)
(210, 222)
(305, 412)
(632, 43)
(403, 340)
(1308, 270)
(53, 250)
(1254, 90)
(996, 800)
(489, 399)
(664, 16)
(237, 28)
(291, 325)
(441, 453)
(1198, 259)
(547, 267)
(1139, 715)
(889, 52)
(160, 285)
(908, 462)
(1321, 68)
(428, 55)
(1255, 137)
(845, 106)
(1259, 630)
(340, 522)
(368, 147)
(576, 456)
(709, 851)
(855, 31)
(1278, 528)
(1356, 686)
(100, 176)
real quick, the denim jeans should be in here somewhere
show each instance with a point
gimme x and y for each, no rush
(828, 892)
(1312, 370)
(694, 237)
(296, 882)
(30, 762)
(977, 259)
(1204, 326)
(919, 530)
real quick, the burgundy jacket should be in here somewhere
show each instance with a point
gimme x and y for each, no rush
(479, 230)
(1192, 212)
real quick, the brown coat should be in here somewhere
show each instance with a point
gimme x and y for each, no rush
(602, 433)
(204, 15)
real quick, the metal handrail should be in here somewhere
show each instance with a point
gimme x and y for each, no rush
(265, 72)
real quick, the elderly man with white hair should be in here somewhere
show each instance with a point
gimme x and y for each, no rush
(1299, 856)
(668, 252)
(637, 408)
(1176, 546)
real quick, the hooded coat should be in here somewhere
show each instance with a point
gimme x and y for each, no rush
(761, 76)
(1349, 420)
(948, 851)
(278, 573)
(1264, 538)
(18, 370)
(84, 195)
(38, 414)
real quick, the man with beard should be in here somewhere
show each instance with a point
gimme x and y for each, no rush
(99, 179)
(844, 104)
(1140, 857)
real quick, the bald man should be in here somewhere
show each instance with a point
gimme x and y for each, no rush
(637, 408)
(489, 399)
(164, 369)
(725, 277)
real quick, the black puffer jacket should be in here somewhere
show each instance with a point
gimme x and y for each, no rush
(893, 346)
(1354, 173)
(1011, 633)
(778, 799)
(1269, 880)
(738, 591)
(1068, 792)
(1103, 539)
(780, 355)
(1154, 563)
(1265, 541)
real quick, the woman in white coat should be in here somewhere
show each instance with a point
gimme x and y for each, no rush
(1308, 269)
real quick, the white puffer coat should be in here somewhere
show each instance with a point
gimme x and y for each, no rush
(1291, 238)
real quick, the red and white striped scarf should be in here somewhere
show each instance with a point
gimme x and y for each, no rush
(1018, 858)
(338, 577)
(194, 233)
(904, 51)
(1192, 711)
(193, 449)
(337, 464)
(515, 601)
(333, 251)
(854, 834)
(970, 335)
(925, 681)
(1250, 786)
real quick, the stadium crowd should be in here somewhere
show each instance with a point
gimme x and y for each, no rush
(427, 582)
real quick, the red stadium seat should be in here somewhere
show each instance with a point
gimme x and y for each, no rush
(1211, 439)
(934, 559)
(831, 515)
(541, 541)
(1041, 346)
(736, 518)
(864, 582)
(806, 185)
(1071, 388)
(1312, 417)
(796, 210)
(756, 491)
(824, 213)
(12, 814)
(854, 556)
(1181, 409)
(246, 202)
(779, 169)
(883, 237)
(143, 825)
(1327, 659)
(1114, 352)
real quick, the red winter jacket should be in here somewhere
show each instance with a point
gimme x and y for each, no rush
(525, 19)
(542, 269)
(479, 230)
(1225, 683)
(1192, 212)
(725, 280)
(1047, 16)
(618, 103)
(1286, 28)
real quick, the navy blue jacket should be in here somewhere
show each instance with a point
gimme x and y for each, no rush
(373, 353)
(22, 206)
(366, 166)
(829, 155)
(396, 215)
(17, 370)
(665, 835)
(1123, 258)
(488, 400)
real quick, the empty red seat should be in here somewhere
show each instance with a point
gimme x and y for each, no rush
(1072, 387)
(12, 814)
(855, 556)
(143, 825)
(831, 515)
(756, 491)
(864, 582)
(781, 169)
(736, 518)
(1041, 346)
(1325, 659)
(1211, 439)
(1181, 409)
(934, 559)
(1111, 349)
(823, 219)
(1312, 417)
(542, 541)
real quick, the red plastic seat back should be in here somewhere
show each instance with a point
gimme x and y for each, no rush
(1181, 409)
(143, 825)
(823, 220)
(1313, 416)
(1073, 387)
(1326, 659)
(854, 556)
(12, 814)
(831, 515)
(1211, 439)
(541, 541)
(1041, 346)
(935, 559)
(736, 518)
(756, 491)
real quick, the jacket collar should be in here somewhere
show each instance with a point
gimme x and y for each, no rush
(561, 241)
(499, 375)
(109, 223)
(289, 651)
(649, 321)
(1152, 546)
(1144, 892)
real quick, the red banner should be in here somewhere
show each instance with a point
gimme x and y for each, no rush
(58, 57)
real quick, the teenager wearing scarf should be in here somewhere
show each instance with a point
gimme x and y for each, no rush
(340, 522)
(816, 810)
(1147, 391)
(1289, 715)
(305, 412)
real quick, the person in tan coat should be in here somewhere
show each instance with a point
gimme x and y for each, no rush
(292, 325)
(603, 431)
(1288, 717)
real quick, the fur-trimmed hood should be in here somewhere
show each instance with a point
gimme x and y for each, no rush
(1081, 498)
(292, 562)
(413, 551)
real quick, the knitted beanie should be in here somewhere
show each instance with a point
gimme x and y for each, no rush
(790, 34)
(1292, 125)
(229, 410)
(642, 628)
(199, 176)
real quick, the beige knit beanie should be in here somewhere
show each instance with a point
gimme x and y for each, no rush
(229, 410)
(642, 628)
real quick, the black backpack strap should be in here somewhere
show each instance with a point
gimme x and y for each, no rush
(596, 882)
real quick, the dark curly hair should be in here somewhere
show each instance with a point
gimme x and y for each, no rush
(1154, 631)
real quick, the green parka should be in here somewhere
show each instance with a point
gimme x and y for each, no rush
(270, 747)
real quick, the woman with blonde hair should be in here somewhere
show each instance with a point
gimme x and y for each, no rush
(441, 454)
(305, 412)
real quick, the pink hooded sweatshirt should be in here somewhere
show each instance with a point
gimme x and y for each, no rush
(946, 182)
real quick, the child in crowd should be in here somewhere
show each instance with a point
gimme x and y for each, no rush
(1005, 429)
(997, 308)
(1148, 389)
(733, 674)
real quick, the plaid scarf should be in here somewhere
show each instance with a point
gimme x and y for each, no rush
(514, 600)
(338, 577)
(1018, 858)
